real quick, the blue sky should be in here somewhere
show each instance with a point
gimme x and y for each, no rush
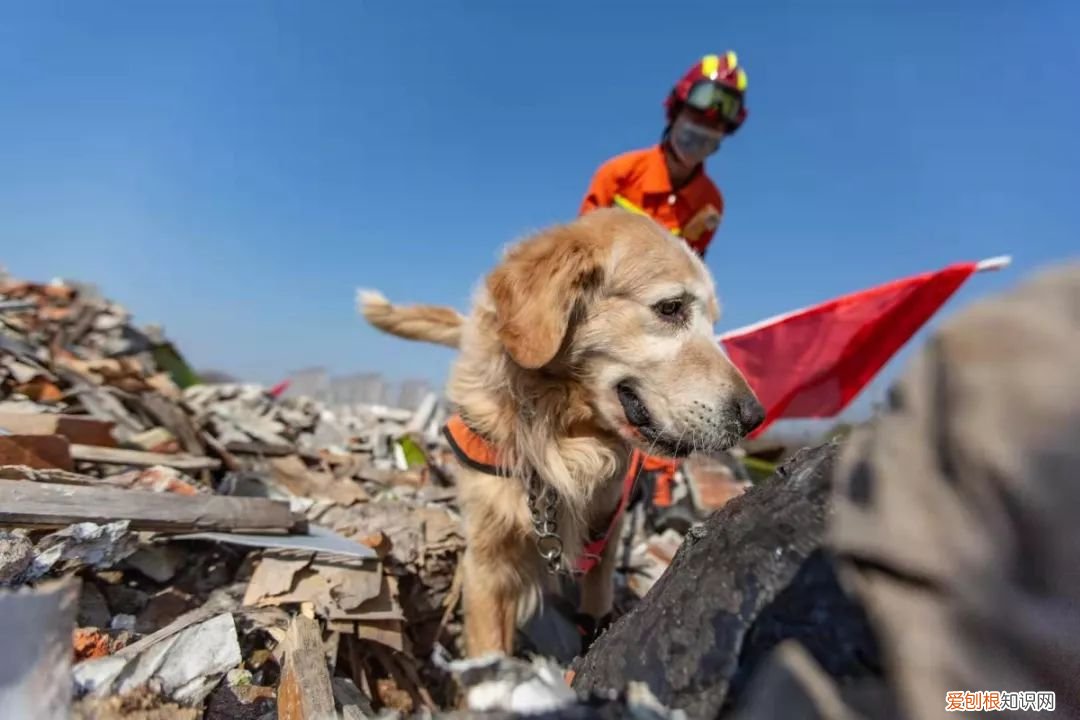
(235, 169)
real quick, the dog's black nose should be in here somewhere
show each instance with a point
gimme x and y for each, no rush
(749, 412)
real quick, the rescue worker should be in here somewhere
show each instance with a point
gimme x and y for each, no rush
(667, 181)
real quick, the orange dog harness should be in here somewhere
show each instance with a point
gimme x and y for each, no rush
(474, 451)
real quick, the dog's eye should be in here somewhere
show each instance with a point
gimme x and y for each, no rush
(670, 309)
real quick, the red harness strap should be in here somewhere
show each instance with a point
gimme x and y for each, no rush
(594, 550)
(477, 453)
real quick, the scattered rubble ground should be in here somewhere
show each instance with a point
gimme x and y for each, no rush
(220, 539)
(218, 550)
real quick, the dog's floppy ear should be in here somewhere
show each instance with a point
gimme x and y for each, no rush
(536, 287)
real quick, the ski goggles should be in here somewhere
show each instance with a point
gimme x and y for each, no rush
(716, 101)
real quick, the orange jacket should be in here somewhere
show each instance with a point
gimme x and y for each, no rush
(638, 180)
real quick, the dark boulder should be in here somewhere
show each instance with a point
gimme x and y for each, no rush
(753, 575)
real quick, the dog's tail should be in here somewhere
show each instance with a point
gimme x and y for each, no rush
(429, 323)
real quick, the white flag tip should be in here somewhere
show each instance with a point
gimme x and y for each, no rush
(994, 263)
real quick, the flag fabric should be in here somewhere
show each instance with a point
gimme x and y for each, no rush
(811, 363)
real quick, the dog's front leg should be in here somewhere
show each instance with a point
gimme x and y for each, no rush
(597, 587)
(491, 592)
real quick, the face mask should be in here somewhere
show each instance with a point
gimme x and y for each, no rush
(693, 143)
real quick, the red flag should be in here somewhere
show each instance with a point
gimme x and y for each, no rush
(811, 363)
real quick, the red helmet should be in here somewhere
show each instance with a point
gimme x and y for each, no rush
(715, 86)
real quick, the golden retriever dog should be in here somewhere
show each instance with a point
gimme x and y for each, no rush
(587, 341)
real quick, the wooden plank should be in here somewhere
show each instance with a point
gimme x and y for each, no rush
(36, 451)
(305, 692)
(31, 504)
(139, 458)
(83, 430)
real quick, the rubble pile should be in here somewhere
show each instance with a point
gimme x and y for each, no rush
(217, 550)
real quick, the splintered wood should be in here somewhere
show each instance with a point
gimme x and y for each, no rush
(305, 692)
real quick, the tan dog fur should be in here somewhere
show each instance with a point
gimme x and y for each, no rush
(568, 314)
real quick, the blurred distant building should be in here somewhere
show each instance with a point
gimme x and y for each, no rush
(412, 393)
(313, 382)
(366, 388)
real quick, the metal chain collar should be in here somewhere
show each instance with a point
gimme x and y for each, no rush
(546, 527)
(545, 523)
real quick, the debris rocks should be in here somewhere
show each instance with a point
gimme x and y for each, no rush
(226, 552)
(16, 554)
(82, 544)
(246, 418)
(183, 662)
(509, 685)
